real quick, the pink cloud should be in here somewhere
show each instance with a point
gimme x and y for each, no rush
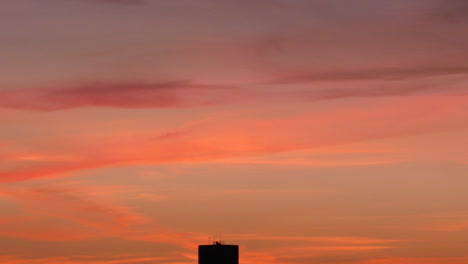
(245, 136)
(78, 217)
(456, 222)
(297, 249)
(84, 260)
(30, 228)
(311, 239)
(397, 73)
(118, 2)
(78, 212)
(440, 260)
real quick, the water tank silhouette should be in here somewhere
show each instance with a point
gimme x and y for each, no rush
(218, 253)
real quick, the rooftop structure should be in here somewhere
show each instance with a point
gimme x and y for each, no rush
(218, 253)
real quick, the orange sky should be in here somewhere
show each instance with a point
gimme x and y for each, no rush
(305, 131)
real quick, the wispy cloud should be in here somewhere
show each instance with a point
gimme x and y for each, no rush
(67, 203)
(250, 135)
(117, 2)
(451, 11)
(137, 95)
(183, 94)
(455, 222)
(373, 74)
(416, 260)
(85, 260)
(311, 239)
(307, 249)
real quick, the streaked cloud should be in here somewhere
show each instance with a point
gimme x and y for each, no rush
(186, 94)
(117, 2)
(451, 11)
(377, 74)
(246, 136)
(158, 95)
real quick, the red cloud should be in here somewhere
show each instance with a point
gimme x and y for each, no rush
(136, 95)
(182, 94)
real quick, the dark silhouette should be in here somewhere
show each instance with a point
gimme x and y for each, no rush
(218, 253)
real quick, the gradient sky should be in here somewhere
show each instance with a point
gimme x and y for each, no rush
(305, 131)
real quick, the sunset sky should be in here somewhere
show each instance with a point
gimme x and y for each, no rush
(304, 131)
